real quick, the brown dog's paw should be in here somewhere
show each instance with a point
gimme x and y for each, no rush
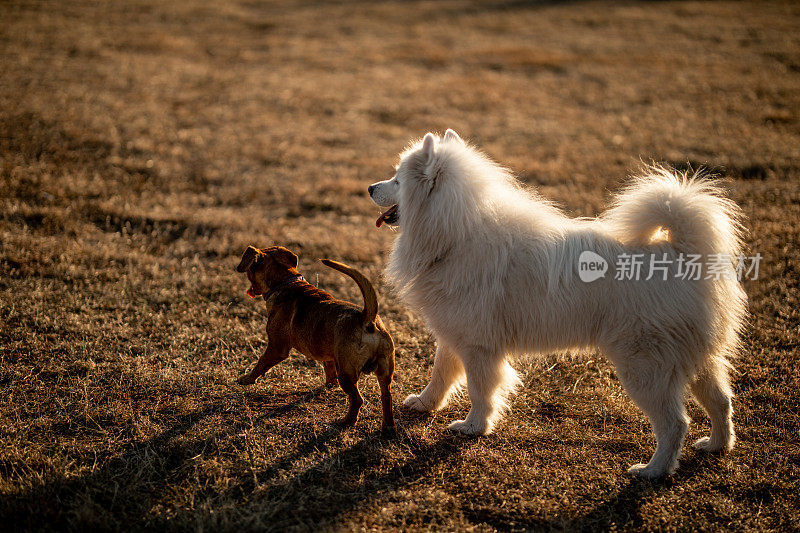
(388, 432)
(246, 380)
(344, 423)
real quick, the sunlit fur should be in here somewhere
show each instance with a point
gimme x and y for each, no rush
(492, 268)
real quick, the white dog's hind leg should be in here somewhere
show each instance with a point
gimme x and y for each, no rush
(659, 394)
(490, 379)
(447, 376)
(711, 388)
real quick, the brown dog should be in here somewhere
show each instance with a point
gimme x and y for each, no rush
(347, 340)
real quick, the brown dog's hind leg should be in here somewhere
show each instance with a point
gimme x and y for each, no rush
(330, 373)
(349, 385)
(273, 355)
(384, 374)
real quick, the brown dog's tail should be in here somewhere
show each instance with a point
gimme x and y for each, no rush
(370, 298)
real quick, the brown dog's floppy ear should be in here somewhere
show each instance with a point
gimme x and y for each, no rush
(247, 259)
(285, 257)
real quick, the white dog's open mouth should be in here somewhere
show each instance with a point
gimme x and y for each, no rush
(389, 216)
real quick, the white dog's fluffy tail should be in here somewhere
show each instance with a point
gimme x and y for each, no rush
(690, 211)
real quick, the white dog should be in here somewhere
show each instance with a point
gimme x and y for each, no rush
(494, 270)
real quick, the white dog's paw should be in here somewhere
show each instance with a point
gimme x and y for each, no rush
(414, 402)
(707, 445)
(645, 471)
(704, 444)
(468, 428)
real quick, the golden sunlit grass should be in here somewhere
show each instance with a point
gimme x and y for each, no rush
(144, 145)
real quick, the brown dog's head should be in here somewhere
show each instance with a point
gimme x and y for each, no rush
(266, 267)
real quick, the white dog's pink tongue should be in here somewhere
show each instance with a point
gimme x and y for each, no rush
(388, 213)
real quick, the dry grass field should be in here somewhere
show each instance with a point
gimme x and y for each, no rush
(145, 144)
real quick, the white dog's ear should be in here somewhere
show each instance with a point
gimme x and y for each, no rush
(450, 135)
(428, 144)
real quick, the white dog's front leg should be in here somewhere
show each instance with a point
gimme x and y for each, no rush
(447, 376)
(490, 379)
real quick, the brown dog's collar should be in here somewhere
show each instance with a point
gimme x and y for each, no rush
(281, 285)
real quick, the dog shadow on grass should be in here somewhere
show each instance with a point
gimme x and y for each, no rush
(121, 492)
(327, 474)
(129, 487)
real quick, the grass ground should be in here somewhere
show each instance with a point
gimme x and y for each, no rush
(144, 145)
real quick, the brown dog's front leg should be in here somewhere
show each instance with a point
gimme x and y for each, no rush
(348, 384)
(273, 355)
(330, 373)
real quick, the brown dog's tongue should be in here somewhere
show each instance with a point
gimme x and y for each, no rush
(389, 212)
(250, 293)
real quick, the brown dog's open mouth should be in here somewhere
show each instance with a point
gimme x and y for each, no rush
(389, 216)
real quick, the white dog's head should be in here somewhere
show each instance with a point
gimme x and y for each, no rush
(417, 174)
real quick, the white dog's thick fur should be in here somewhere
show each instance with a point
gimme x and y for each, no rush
(493, 269)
